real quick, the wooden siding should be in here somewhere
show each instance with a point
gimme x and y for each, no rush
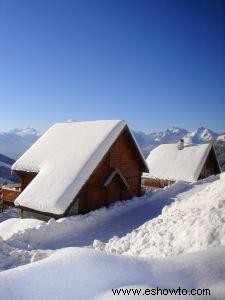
(155, 183)
(26, 178)
(211, 166)
(9, 195)
(122, 155)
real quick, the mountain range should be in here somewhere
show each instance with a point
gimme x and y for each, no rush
(15, 142)
(149, 141)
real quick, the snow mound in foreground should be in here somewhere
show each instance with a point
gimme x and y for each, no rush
(192, 223)
(104, 223)
(11, 257)
(79, 273)
(14, 225)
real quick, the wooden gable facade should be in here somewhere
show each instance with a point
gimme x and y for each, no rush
(117, 177)
(211, 165)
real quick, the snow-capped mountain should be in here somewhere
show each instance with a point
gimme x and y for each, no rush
(5, 170)
(25, 132)
(203, 134)
(15, 142)
(12, 145)
(149, 141)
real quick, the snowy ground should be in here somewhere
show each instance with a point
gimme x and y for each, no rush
(103, 224)
(195, 221)
(82, 274)
(180, 219)
(9, 213)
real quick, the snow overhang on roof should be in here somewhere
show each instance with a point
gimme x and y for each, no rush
(167, 162)
(64, 158)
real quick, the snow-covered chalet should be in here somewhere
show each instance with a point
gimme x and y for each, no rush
(77, 167)
(168, 163)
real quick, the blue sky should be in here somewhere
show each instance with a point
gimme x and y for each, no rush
(156, 64)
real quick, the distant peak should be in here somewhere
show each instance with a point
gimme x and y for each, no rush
(202, 128)
(176, 129)
(25, 131)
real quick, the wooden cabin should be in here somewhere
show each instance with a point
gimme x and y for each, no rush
(172, 162)
(78, 167)
(9, 193)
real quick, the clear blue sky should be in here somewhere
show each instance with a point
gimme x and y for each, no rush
(155, 63)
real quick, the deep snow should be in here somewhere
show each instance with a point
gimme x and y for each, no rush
(178, 219)
(11, 257)
(103, 224)
(78, 273)
(195, 221)
(13, 226)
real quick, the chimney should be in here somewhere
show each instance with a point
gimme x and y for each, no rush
(188, 140)
(180, 144)
(71, 121)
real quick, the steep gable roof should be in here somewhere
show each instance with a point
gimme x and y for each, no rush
(64, 158)
(167, 162)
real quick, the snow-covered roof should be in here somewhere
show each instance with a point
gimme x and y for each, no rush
(64, 158)
(167, 162)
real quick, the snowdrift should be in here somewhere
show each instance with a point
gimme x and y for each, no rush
(12, 226)
(79, 273)
(179, 219)
(119, 219)
(194, 222)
